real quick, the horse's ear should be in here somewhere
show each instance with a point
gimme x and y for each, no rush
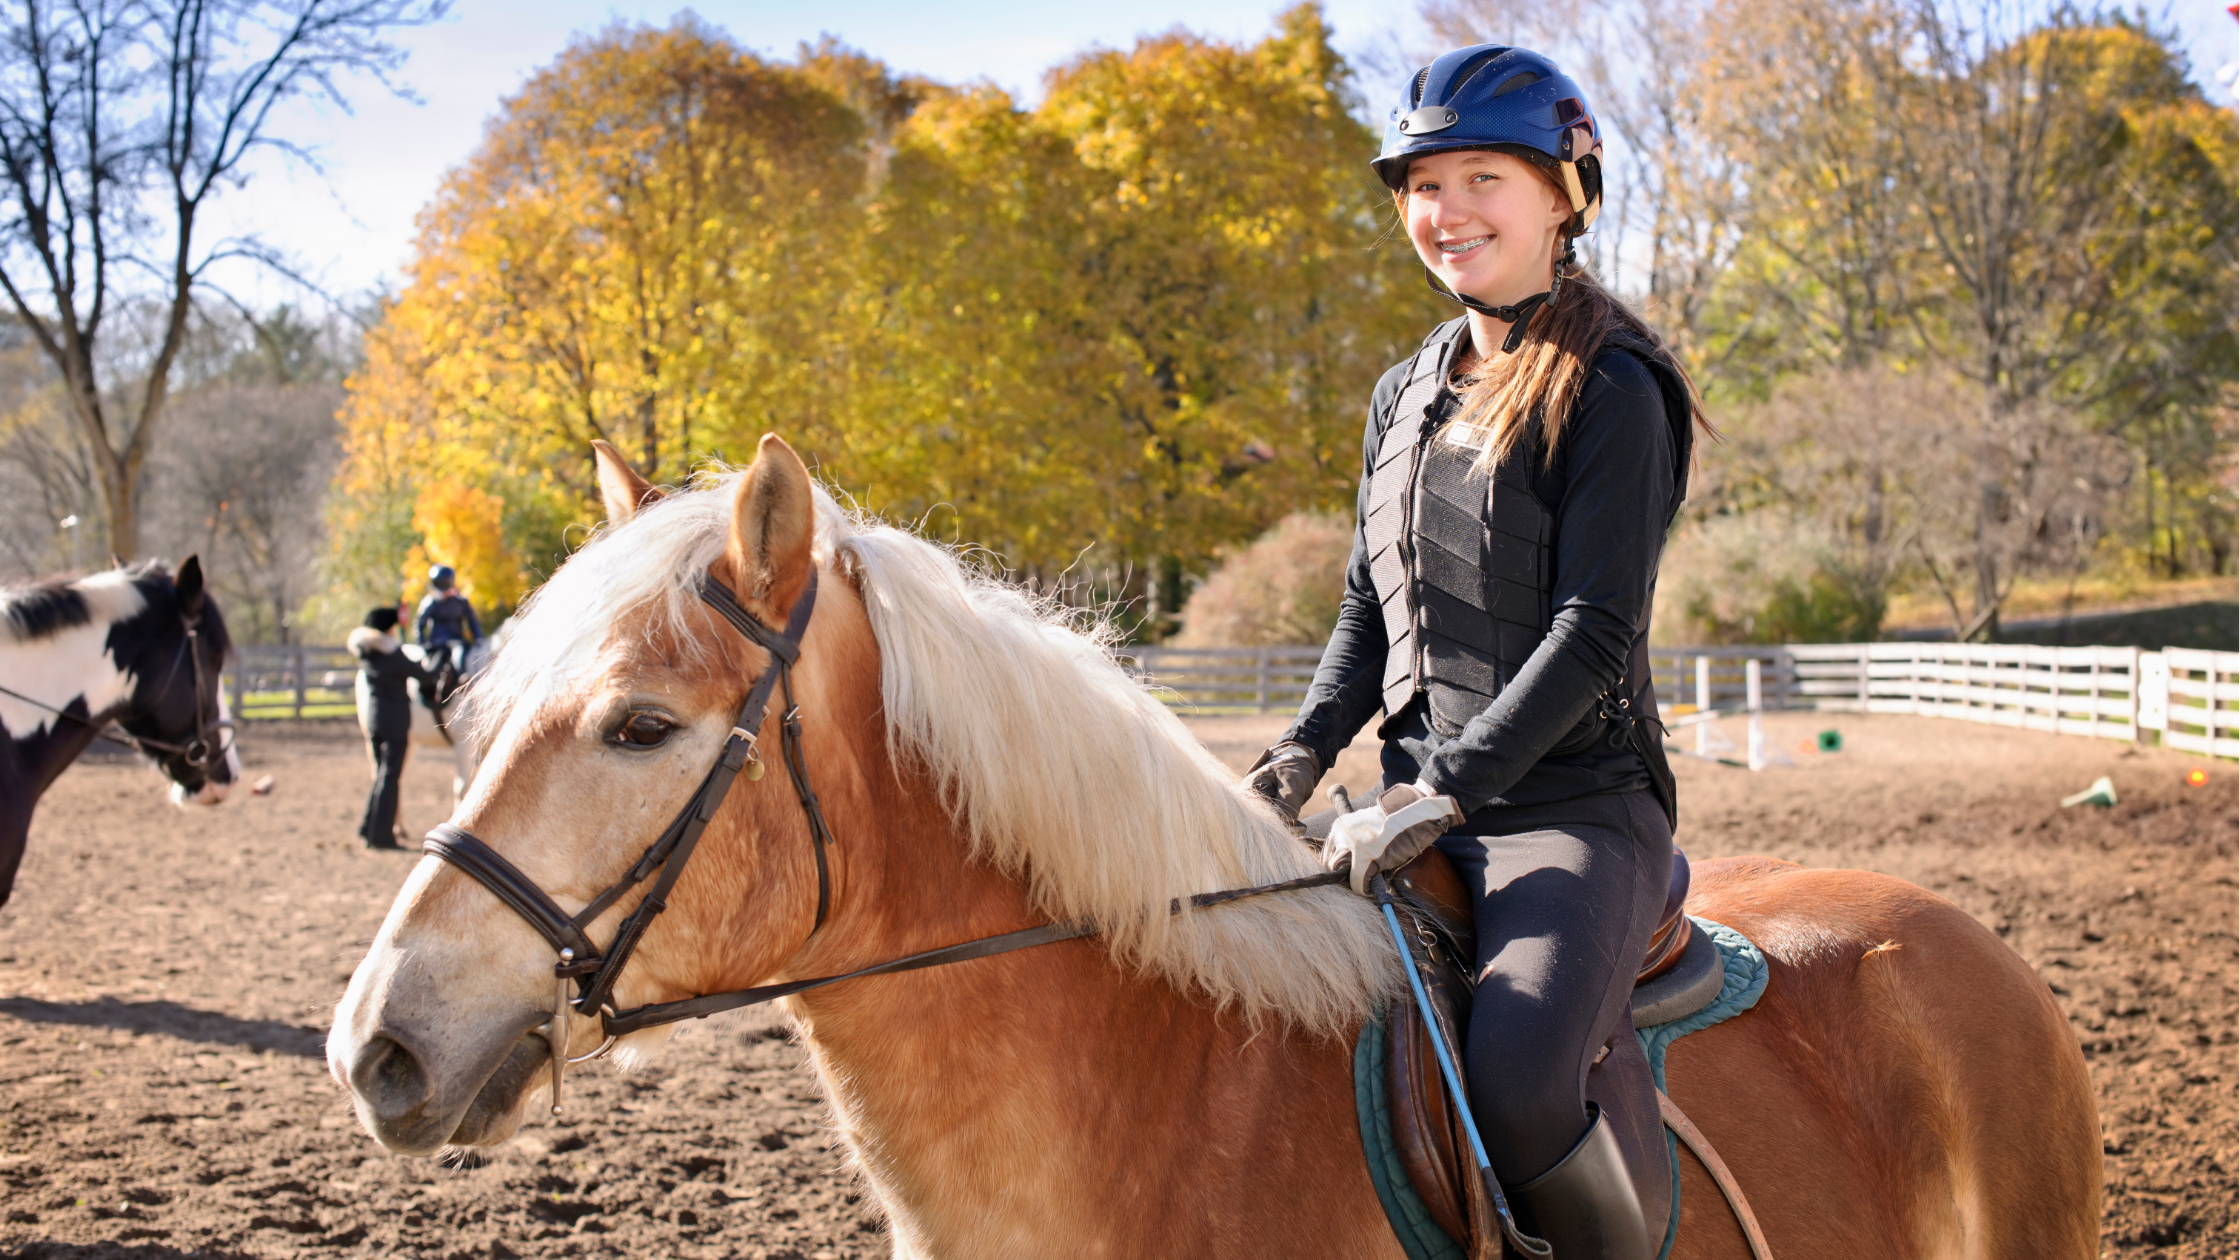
(773, 523)
(620, 485)
(188, 584)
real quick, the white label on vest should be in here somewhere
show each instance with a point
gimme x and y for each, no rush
(1467, 436)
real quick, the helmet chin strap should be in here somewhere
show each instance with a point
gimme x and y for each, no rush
(1519, 313)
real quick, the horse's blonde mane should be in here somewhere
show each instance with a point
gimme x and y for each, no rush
(1062, 769)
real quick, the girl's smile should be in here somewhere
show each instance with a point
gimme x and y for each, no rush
(1485, 223)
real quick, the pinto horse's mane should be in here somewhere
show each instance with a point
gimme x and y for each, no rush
(1060, 769)
(46, 608)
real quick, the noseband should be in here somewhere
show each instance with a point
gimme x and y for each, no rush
(594, 974)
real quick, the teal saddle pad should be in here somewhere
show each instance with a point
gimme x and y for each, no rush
(1744, 981)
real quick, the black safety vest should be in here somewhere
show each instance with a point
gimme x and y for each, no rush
(1462, 564)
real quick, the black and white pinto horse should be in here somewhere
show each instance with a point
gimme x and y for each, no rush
(137, 647)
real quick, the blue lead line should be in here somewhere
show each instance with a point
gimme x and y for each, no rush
(1438, 1042)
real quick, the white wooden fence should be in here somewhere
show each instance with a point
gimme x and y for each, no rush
(2190, 698)
(2201, 699)
(2067, 690)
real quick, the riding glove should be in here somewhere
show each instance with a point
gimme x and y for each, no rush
(1389, 834)
(1286, 775)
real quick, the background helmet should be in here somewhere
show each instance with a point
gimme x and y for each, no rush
(1492, 96)
(441, 577)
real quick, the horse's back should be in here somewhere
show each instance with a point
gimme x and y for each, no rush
(1906, 1086)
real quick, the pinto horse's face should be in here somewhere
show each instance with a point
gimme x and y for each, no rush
(178, 699)
(433, 1038)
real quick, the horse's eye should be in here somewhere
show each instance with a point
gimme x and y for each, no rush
(644, 730)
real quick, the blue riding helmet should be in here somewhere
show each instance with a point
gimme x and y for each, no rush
(441, 577)
(1492, 96)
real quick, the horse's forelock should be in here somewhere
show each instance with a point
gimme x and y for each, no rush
(652, 562)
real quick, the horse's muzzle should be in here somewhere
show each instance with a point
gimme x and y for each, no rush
(210, 793)
(404, 1111)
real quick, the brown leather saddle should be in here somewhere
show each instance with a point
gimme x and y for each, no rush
(1680, 974)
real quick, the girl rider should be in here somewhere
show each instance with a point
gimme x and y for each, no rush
(1518, 475)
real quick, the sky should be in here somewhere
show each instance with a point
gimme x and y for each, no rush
(349, 225)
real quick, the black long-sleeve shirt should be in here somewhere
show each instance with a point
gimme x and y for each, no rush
(1611, 489)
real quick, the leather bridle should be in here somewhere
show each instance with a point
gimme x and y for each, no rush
(594, 973)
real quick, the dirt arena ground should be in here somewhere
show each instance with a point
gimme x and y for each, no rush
(165, 978)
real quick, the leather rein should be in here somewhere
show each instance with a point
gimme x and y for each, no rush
(594, 974)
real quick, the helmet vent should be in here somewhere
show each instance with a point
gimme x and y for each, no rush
(1415, 95)
(1521, 79)
(1471, 69)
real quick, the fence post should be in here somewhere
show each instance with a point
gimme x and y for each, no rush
(301, 665)
(1753, 690)
(1703, 705)
(1261, 677)
(240, 664)
(1866, 674)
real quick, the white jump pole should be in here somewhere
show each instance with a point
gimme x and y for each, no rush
(1754, 697)
(1703, 705)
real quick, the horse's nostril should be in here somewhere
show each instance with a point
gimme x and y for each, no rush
(388, 1078)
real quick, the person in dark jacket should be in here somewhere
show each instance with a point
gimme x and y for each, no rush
(1518, 475)
(385, 714)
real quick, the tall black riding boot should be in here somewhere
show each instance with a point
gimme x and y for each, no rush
(1585, 1206)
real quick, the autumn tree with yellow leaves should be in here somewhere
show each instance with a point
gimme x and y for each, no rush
(1107, 335)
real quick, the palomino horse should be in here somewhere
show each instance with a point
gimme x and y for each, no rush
(132, 646)
(1180, 1084)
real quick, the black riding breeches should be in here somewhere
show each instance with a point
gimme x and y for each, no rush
(1566, 897)
(379, 826)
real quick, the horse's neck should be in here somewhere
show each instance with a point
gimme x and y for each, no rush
(54, 673)
(40, 759)
(984, 1097)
